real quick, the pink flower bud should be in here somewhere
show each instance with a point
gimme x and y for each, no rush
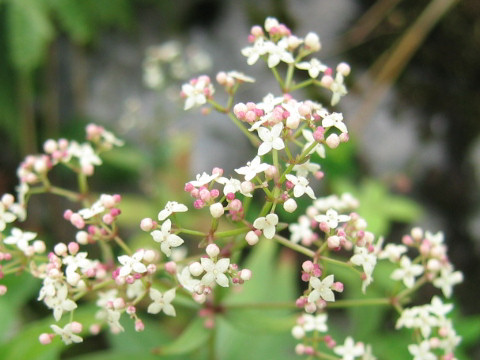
(171, 267)
(139, 326)
(45, 338)
(333, 141)
(76, 327)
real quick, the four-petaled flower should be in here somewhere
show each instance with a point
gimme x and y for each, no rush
(215, 271)
(321, 289)
(349, 350)
(271, 139)
(336, 120)
(332, 218)
(132, 263)
(20, 238)
(166, 239)
(67, 334)
(253, 168)
(314, 67)
(267, 225)
(196, 92)
(162, 302)
(310, 140)
(407, 272)
(170, 208)
(300, 186)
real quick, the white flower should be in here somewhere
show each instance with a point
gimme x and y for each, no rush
(267, 225)
(240, 76)
(252, 168)
(166, 239)
(203, 179)
(301, 231)
(365, 259)
(54, 294)
(170, 208)
(336, 120)
(271, 139)
(68, 336)
(79, 261)
(300, 186)
(20, 238)
(332, 218)
(6, 217)
(448, 278)
(338, 89)
(349, 350)
(310, 140)
(85, 154)
(215, 271)
(422, 351)
(305, 168)
(317, 323)
(254, 52)
(132, 263)
(321, 289)
(269, 102)
(278, 52)
(162, 302)
(194, 92)
(314, 67)
(96, 208)
(392, 252)
(407, 272)
(185, 279)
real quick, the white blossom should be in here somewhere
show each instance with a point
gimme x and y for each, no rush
(448, 278)
(332, 218)
(314, 67)
(300, 186)
(271, 139)
(166, 239)
(215, 271)
(20, 238)
(162, 302)
(349, 350)
(407, 272)
(302, 230)
(66, 333)
(252, 168)
(267, 225)
(170, 208)
(336, 120)
(321, 289)
(310, 140)
(132, 263)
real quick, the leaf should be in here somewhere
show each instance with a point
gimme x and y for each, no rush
(26, 345)
(74, 19)
(29, 33)
(194, 336)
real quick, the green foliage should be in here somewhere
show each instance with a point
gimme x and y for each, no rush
(30, 32)
(378, 205)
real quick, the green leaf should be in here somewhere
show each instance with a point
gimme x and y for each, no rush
(74, 19)
(29, 33)
(193, 337)
(378, 206)
(25, 345)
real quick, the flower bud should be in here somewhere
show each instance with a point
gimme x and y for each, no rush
(216, 210)
(212, 250)
(312, 42)
(195, 268)
(333, 141)
(290, 205)
(251, 238)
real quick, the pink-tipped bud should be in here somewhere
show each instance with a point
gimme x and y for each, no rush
(139, 325)
(307, 266)
(73, 248)
(337, 286)
(171, 267)
(245, 274)
(45, 338)
(76, 327)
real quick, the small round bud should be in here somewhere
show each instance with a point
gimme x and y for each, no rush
(146, 224)
(245, 274)
(39, 246)
(73, 248)
(216, 210)
(3, 290)
(212, 250)
(312, 42)
(332, 141)
(76, 327)
(195, 268)
(45, 338)
(251, 238)
(60, 249)
(343, 68)
(298, 332)
(290, 205)
(149, 255)
(139, 326)
(82, 237)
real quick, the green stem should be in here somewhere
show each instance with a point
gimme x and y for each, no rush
(403, 294)
(359, 302)
(302, 85)
(262, 305)
(122, 244)
(278, 78)
(299, 160)
(338, 262)
(288, 78)
(253, 139)
(227, 233)
(192, 232)
(298, 248)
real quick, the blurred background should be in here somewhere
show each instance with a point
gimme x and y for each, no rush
(413, 109)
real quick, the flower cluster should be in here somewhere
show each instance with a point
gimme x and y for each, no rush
(291, 137)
